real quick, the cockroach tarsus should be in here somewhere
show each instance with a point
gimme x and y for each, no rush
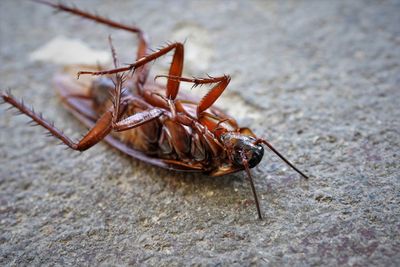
(151, 122)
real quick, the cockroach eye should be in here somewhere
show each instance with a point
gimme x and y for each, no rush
(257, 153)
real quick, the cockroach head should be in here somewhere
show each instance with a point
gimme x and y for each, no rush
(243, 148)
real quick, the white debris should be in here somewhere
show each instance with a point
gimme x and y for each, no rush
(64, 51)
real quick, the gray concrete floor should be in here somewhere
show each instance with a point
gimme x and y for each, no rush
(319, 79)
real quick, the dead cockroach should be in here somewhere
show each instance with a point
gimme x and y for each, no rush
(152, 122)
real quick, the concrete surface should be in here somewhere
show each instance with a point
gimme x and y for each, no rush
(320, 79)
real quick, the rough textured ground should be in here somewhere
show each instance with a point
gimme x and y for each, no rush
(320, 79)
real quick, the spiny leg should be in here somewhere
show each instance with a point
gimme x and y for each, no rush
(104, 125)
(137, 119)
(175, 69)
(101, 129)
(143, 42)
(118, 83)
(265, 142)
(98, 132)
(212, 95)
(143, 49)
(134, 120)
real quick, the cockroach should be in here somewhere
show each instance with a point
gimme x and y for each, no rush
(152, 122)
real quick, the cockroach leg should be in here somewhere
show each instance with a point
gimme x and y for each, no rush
(134, 120)
(217, 126)
(113, 52)
(194, 80)
(141, 72)
(100, 130)
(212, 95)
(117, 98)
(175, 69)
(143, 40)
(79, 96)
(265, 142)
(137, 119)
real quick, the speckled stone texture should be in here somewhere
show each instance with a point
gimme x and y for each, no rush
(319, 79)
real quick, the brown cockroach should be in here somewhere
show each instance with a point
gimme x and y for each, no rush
(151, 122)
